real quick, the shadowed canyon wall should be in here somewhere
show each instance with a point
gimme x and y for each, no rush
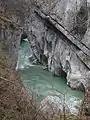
(58, 32)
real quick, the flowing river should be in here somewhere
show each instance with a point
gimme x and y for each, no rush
(43, 82)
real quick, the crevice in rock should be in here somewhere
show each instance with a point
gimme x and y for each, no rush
(24, 36)
(61, 73)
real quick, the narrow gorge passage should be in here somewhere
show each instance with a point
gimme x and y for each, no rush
(45, 60)
(43, 83)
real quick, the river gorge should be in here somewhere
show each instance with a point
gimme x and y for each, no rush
(44, 51)
(43, 83)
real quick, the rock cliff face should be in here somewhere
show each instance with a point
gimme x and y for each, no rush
(59, 32)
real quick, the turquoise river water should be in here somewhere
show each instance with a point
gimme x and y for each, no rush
(43, 82)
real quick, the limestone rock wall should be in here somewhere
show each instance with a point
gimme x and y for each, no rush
(58, 32)
(53, 36)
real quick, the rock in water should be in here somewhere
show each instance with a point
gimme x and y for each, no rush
(53, 105)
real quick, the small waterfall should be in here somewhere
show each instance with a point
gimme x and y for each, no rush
(25, 53)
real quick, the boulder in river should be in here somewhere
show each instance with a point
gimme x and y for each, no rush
(53, 105)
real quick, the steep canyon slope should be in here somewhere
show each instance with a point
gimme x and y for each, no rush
(16, 103)
(59, 31)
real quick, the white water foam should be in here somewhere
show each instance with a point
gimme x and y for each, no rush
(24, 54)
